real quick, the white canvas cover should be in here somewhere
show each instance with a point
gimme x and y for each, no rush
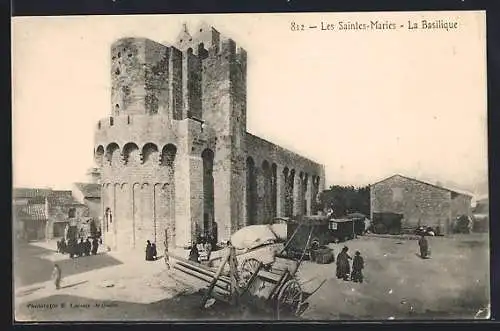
(280, 230)
(253, 236)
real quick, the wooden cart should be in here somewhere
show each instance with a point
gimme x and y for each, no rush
(277, 283)
(274, 283)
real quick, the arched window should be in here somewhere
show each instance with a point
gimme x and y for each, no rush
(108, 217)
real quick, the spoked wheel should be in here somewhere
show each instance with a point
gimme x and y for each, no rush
(248, 268)
(290, 298)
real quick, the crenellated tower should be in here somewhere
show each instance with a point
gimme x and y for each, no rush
(172, 151)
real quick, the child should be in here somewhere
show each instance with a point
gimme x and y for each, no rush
(357, 266)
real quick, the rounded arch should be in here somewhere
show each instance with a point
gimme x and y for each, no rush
(99, 155)
(250, 161)
(149, 152)
(251, 192)
(168, 154)
(112, 151)
(265, 166)
(274, 189)
(206, 224)
(128, 150)
(286, 171)
(207, 154)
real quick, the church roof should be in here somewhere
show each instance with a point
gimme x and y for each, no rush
(60, 198)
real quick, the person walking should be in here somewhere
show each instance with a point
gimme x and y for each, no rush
(424, 246)
(343, 267)
(358, 265)
(56, 276)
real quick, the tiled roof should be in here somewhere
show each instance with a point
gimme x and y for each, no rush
(36, 200)
(60, 198)
(35, 212)
(89, 190)
(30, 192)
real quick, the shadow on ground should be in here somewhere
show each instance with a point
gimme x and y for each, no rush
(31, 266)
(179, 308)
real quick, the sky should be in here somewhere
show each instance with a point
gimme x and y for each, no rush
(366, 104)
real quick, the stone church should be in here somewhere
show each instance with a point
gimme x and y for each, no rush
(175, 156)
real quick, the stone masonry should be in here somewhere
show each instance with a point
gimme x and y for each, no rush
(419, 202)
(176, 158)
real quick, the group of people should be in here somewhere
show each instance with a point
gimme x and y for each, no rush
(344, 267)
(151, 252)
(78, 249)
(358, 263)
(205, 245)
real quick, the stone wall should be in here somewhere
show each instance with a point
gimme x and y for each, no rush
(60, 214)
(460, 205)
(419, 203)
(287, 183)
(174, 154)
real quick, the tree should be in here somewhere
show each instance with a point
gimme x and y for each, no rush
(346, 199)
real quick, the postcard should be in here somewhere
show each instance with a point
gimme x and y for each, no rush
(311, 167)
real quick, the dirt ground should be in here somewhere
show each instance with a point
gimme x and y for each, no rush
(454, 283)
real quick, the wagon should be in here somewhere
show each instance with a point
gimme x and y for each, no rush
(343, 229)
(276, 282)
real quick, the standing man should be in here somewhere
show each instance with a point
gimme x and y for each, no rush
(56, 276)
(358, 265)
(424, 246)
(148, 251)
(95, 246)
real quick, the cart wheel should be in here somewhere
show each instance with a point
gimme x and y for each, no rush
(248, 268)
(315, 244)
(290, 298)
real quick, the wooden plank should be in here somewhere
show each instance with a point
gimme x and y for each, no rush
(199, 276)
(214, 281)
(233, 270)
(269, 276)
(203, 271)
